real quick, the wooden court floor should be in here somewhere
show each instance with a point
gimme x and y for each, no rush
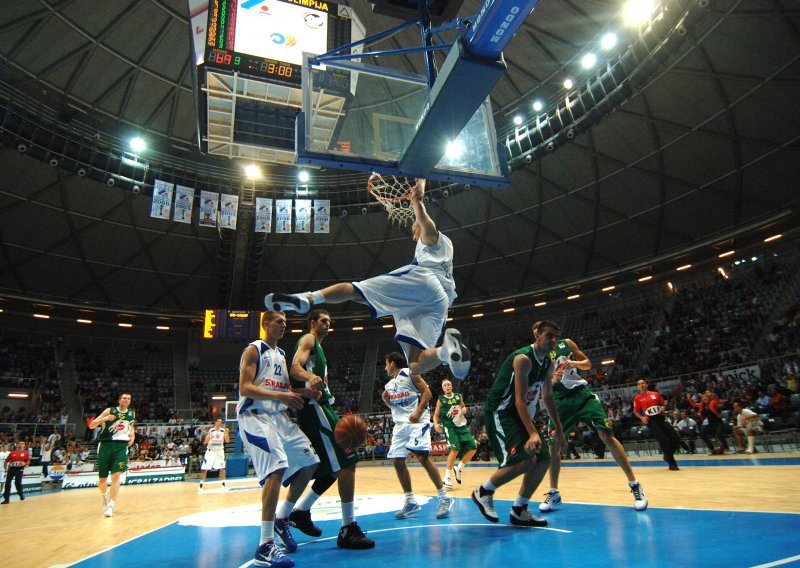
(55, 529)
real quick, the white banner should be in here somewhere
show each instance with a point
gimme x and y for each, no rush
(162, 200)
(228, 212)
(263, 215)
(283, 215)
(322, 215)
(622, 392)
(747, 374)
(198, 20)
(302, 212)
(184, 201)
(138, 473)
(208, 208)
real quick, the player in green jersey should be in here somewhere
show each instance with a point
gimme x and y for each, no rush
(512, 402)
(450, 417)
(317, 419)
(577, 403)
(116, 435)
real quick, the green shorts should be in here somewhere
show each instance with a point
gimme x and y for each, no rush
(112, 457)
(318, 422)
(580, 405)
(459, 438)
(507, 436)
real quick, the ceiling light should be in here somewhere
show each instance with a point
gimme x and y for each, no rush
(684, 267)
(722, 272)
(588, 61)
(772, 238)
(79, 320)
(608, 288)
(17, 395)
(41, 316)
(573, 297)
(637, 12)
(724, 254)
(387, 326)
(537, 106)
(518, 120)
(671, 286)
(303, 176)
(539, 304)
(645, 278)
(449, 319)
(138, 145)
(607, 362)
(163, 327)
(455, 149)
(608, 41)
(358, 328)
(252, 171)
(297, 331)
(568, 83)
(478, 315)
(508, 310)
(122, 324)
(219, 397)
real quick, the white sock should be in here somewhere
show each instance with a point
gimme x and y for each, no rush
(307, 501)
(521, 501)
(461, 466)
(317, 297)
(267, 531)
(751, 443)
(410, 498)
(111, 502)
(442, 492)
(447, 475)
(348, 514)
(284, 510)
(489, 486)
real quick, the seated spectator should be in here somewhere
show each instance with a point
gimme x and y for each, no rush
(747, 423)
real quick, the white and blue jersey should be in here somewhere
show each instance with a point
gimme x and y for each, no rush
(438, 258)
(272, 374)
(407, 436)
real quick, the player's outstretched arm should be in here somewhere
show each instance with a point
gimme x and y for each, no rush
(429, 235)
(579, 358)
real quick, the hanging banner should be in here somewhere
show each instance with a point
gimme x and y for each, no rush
(263, 215)
(302, 216)
(322, 215)
(184, 201)
(208, 208)
(227, 214)
(283, 215)
(162, 200)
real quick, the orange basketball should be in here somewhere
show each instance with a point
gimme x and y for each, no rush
(350, 432)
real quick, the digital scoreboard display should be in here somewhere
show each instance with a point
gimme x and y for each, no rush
(230, 324)
(267, 38)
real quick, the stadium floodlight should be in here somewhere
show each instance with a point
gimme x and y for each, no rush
(303, 176)
(518, 119)
(588, 61)
(252, 171)
(637, 12)
(608, 41)
(568, 84)
(137, 144)
(537, 106)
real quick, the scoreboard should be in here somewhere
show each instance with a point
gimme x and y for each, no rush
(231, 324)
(267, 38)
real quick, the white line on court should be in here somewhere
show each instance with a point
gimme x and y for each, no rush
(779, 562)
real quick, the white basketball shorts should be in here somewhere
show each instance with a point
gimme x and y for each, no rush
(409, 437)
(213, 459)
(274, 442)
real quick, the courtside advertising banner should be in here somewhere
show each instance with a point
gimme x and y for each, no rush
(283, 215)
(208, 208)
(263, 215)
(322, 215)
(184, 201)
(302, 210)
(227, 214)
(162, 200)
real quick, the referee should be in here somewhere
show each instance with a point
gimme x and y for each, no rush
(15, 464)
(648, 406)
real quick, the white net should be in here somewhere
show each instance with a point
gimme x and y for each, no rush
(394, 193)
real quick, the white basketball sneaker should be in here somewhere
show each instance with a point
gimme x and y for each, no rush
(639, 500)
(551, 499)
(454, 353)
(288, 303)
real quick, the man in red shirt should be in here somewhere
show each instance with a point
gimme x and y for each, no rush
(648, 406)
(14, 465)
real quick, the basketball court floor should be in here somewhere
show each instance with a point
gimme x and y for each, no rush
(725, 511)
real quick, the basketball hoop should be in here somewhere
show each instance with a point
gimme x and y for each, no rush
(394, 193)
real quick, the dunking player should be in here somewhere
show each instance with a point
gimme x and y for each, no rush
(317, 419)
(511, 404)
(116, 436)
(449, 417)
(407, 396)
(276, 445)
(416, 295)
(577, 403)
(214, 457)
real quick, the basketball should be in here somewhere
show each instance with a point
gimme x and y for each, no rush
(350, 432)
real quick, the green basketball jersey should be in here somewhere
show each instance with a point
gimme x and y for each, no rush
(446, 404)
(501, 394)
(572, 378)
(119, 429)
(318, 365)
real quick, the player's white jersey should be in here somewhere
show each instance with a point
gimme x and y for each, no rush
(271, 374)
(217, 441)
(438, 258)
(404, 398)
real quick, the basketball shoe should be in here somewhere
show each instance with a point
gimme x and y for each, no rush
(551, 499)
(270, 555)
(282, 530)
(446, 483)
(457, 474)
(407, 510)
(352, 537)
(288, 303)
(445, 504)
(485, 502)
(109, 510)
(301, 520)
(454, 353)
(522, 517)
(639, 500)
